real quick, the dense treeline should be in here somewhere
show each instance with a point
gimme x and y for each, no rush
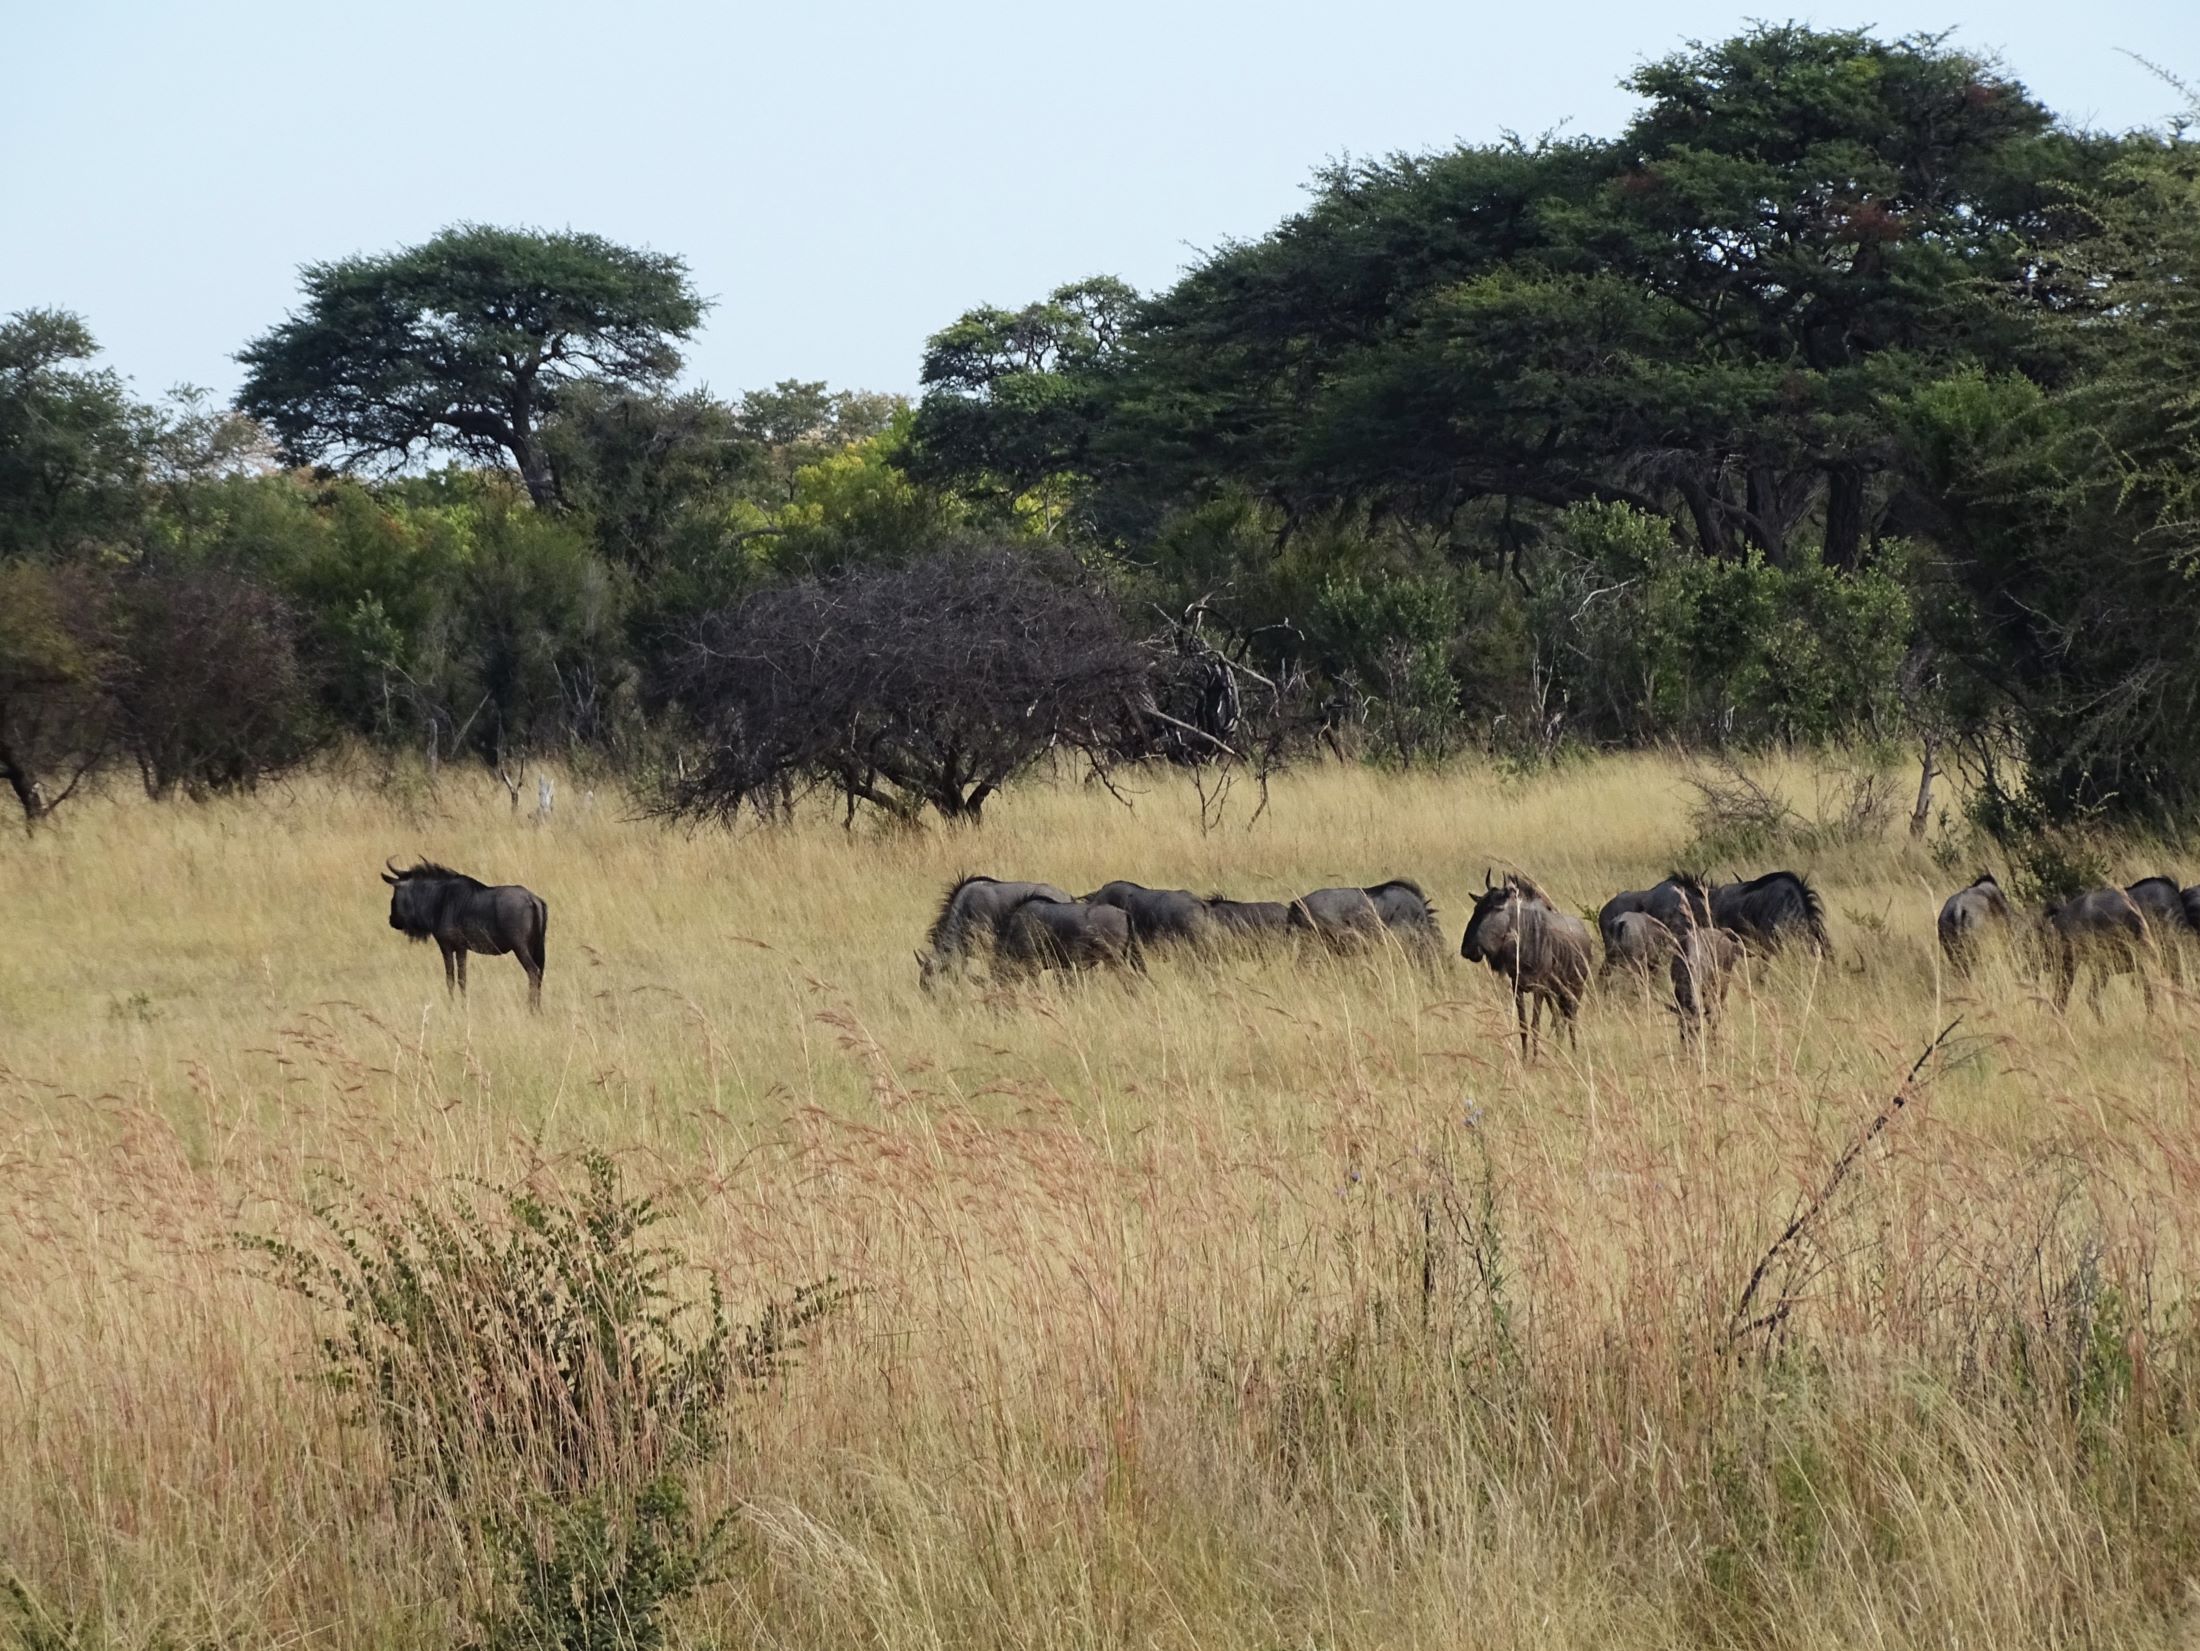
(1846, 391)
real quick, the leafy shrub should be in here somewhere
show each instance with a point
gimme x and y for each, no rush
(540, 1337)
(1654, 641)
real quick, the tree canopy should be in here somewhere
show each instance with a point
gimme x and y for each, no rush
(465, 344)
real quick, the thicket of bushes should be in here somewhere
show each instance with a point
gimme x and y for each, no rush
(1845, 392)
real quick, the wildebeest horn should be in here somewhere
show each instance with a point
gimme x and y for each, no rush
(1486, 883)
(392, 875)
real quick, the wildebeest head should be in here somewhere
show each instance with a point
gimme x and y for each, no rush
(412, 898)
(1490, 925)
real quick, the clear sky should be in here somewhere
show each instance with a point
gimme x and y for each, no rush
(842, 179)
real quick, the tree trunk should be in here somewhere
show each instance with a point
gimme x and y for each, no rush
(1767, 516)
(26, 789)
(1711, 534)
(1844, 516)
(1923, 812)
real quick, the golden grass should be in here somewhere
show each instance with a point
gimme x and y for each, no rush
(1274, 1303)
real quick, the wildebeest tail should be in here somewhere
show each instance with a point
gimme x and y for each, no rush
(541, 936)
(1814, 917)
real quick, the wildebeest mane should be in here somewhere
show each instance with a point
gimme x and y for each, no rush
(947, 905)
(429, 870)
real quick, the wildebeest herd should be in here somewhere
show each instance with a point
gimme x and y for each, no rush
(1686, 931)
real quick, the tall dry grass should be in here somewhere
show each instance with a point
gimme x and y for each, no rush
(1272, 1303)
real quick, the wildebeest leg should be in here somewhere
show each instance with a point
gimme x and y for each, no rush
(2094, 990)
(533, 966)
(452, 957)
(462, 969)
(1520, 1014)
(2146, 986)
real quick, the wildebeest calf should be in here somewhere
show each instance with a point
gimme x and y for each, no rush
(1248, 919)
(1039, 933)
(2105, 929)
(1703, 962)
(462, 914)
(1634, 941)
(1968, 916)
(969, 921)
(1680, 903)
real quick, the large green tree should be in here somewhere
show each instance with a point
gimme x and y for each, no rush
(73, 445)
(465, 344)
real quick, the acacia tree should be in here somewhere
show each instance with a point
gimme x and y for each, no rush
(465, 345)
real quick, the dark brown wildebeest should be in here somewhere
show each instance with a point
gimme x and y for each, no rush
(2169, 923)
(1968, 916)
(1249, 919)
(2103, 928)
(1349, 917)
(1541, 950)
(462, 914)
(969, 921)
(1765, 911)
(1042, 933)
(1159, 917)
(1704, 961)
(1680, 903)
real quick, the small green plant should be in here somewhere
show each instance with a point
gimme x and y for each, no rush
(596, 1574)
(519, 1329)
(135, 1010)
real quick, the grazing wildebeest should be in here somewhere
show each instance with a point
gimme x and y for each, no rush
(1158, 916)
(969, 922)
(2169, 924)
(1969, 916)
(1703, 962)
(462, 914)
(1345, 917)
(1043, 933)
(1635, 941)
(1680, 903)
(2104, 928)
(1541, 950)
(1766, 910)
(1248, 919)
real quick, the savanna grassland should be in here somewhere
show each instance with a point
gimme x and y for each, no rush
(1271, 1303)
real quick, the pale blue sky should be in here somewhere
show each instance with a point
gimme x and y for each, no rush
(842, 179)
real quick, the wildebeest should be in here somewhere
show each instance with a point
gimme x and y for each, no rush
(1345, 917)
(1765, 911)
(969, 922)
(1968, 916)
(2169, 923)
(2104, 928)
(1039, 932)
(1635, 941)
(1157, 916)
(1541, 950)
(461, 914)
(1679, 903)
(1248, 919)
(1704, 961)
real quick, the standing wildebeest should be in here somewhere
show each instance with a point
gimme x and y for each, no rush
(1765, 910)
(1703, 962)
(2104, 928)
(1967, 917)
(461, 915)
(1345, 917)
(1541, 950)
(969, 922)
(1680, 903)
(2169, 924)
(1158, 916)
(1039, 932)
(1636, 941)
(1248, 919)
